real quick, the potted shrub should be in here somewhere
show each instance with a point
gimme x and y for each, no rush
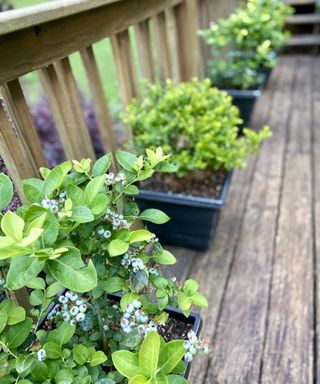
(198, 126)
(245, 48)
(63, 254)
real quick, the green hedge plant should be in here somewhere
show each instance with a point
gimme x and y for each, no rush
(246, 42)
(75, 241)
(193, 122)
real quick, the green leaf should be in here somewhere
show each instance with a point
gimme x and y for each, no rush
(63, 334)
(139, 235)
(126, 363)
(32, 189)
(16, 315)
(36, 297)
(117, 247)
(131, 190)
(98, 358)
(54, 289)
(112, 284)
(80, 354)
(93, 188)
(76, 194)
(176, 379)
(199, 299)
(164, 257)
(39, 371)
(170, 355)
(50, 225)
(154, 216)
(190, 287)
(161, 379)
(6, 191)
(149, 354)
(36, 283)
(63, 376)
(81, 214)
(53, 350)
(139, 379)
(184, 302)
(126, 160)
(55, 178)
(102, 165)
(69, 271)
(99, 204)
(12, 226)
(18, 333)
(23, 363)
(22, 270)
(3, 320)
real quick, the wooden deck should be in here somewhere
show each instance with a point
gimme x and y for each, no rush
(261, 274)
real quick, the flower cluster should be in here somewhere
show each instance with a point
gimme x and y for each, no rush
(194, 346)
(71, 308)
(53, 204)
(112, 179)
(134, 318)
(117, 221)
(135, 262)
(154, 239)
(104, 233)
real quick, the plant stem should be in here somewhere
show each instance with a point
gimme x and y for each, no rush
(100, 321)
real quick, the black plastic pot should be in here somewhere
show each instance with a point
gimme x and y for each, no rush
(245, 100)
(193, 219)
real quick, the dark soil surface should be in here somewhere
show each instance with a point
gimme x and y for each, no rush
(174, 329)
(202, 183)
(15, 203)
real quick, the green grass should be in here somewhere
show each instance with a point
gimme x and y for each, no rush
(103, 54)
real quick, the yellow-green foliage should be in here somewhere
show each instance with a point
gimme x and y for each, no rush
(195, 123)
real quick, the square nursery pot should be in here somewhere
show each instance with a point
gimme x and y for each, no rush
(245, 100)
(193, 219)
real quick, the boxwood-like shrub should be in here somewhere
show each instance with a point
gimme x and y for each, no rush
(195, 123)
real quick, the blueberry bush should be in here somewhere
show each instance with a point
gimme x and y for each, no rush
(77, 240)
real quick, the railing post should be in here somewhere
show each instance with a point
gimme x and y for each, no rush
(187, 25)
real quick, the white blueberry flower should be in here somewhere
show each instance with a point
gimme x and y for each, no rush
(188, 357)
(41, 354)
(63, 299)
(66, 316)
(83, 308)
(73, 322)
(136, 303)
(107, 234)
(79, 302)
(74, 311)
(80, 317)
(186, 344)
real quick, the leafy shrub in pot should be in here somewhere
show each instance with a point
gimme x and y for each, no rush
(198, 126)
(254, 34)
(65, 250)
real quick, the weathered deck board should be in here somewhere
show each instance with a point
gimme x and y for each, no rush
(258, 274)
(238, 344)
(288, 356)
(316, 197)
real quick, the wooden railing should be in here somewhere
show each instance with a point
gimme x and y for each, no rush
(42, 38)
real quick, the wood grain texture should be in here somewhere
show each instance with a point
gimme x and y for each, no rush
(162, 48)
(143, 41)
(173, 44)
(13, 147)
(238, 341)
(60, 89)
(316, 196)
(288, 355)
(99, 100)
(38, 46)
(122, 53)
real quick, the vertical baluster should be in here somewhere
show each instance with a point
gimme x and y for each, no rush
(125, 66)
(163, 56)
(61, 91)
(145, 49)
(173, 43)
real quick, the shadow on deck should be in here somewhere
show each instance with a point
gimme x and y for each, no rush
(260, 275)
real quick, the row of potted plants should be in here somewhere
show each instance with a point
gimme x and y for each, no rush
(66, 251)
(245, 48)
